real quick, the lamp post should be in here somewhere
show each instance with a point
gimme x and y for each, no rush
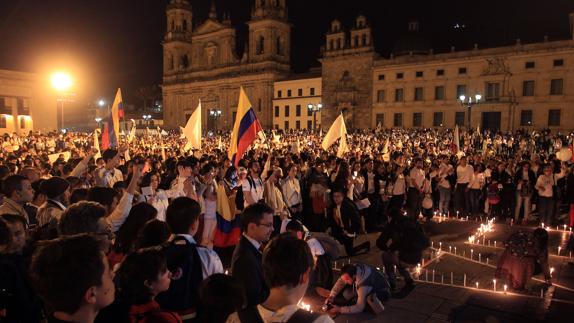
(314, 108)
(147, 118)
(98, 120)
(469, 102)
(215, 114)
(61, 82)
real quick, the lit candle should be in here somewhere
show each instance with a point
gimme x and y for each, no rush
(442, 279)
(427, 275)
(542, 293)
(487, 261)
(395, 269)
(432, 244)
(565, 227)
(494, 281)
(457, 214)
(464, 280)
(505, 288)
(451, 278)
(476, 285)
(227, 272)
(479, 257)
(489, 242)
(551, 271)
(471, 253)
(559, 248)
(433, 275)
(494, 243)
(450, 249)
(440, 245)
(542, 224)
(455, 250)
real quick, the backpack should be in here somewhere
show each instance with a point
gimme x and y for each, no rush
(184, 263)
(493, 194)
(330, 246)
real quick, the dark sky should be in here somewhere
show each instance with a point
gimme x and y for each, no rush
(117, 43)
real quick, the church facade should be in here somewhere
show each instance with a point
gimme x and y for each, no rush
(202, 63)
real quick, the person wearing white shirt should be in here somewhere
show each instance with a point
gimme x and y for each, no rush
(544, 185)
(253, 185)
(291, 190)
(475, 189)
(445, 190)
(108, 175)
(416, 181)
(464, 173)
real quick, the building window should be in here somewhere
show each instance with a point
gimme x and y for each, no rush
(400, 76)
(528, 88)
(528, 65)
(439, 92)
(381, 77)
(417, 119)
(460, 90)
(437, 119)
(418, 93)
(298, 111)
(300, 92)
(2, 121)
(492, 91)
(398, 120)
(259, 105)
(279, 93)
(558, 62)
(23, 108)
(381, 96)
(309, 124)
(526, 118)
(297, 124)
(419, 74)
(462, 70)
(556, 86)
(276, 111)
(276, 127)
(286, 125)
(380, 119)
(22, 123)
(439, 72)
(312, 91)
(286, 110)
(289, 93)
(3, 108)
(309, 112)
(554, 117)
(260, 45)
(459, 118)
(399, 95)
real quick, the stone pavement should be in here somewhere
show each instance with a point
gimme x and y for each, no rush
(435, 302)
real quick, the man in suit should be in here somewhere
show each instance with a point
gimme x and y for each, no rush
(343, 216)
(372, 192)
(246, 262)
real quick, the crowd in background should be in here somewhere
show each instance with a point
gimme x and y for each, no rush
(151, 231)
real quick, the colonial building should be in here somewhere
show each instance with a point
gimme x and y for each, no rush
(297, 102)
(202, 63)
(25, 103)
(519, 86)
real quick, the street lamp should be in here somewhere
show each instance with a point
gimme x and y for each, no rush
(469, 102)
(314, 108)
(101, 103)
(98, 120)
(147, 118)
(215, 114)
(61, 82)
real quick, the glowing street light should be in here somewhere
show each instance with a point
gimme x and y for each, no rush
(101, 103)
(61, 81)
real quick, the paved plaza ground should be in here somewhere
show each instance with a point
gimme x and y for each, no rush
(437, 300)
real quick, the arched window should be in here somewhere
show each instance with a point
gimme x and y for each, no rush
(184, 25)
(339, 43)
(260, 45)
(170, 62)
(171, 25)
(331, 45)
(364, 40)
(279, 47)
(356, 41)
(184, 63)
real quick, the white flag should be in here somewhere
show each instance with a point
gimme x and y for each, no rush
(192, 130)
(343, 148)
(97, 144)
(337, 130)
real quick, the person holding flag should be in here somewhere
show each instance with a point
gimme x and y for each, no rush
(245, 129)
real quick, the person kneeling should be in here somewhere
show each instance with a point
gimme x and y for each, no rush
(359, 285)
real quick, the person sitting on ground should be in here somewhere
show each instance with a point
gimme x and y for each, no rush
(288, 280)
(140, 278)
(359, 285)
(72, 276)
(526, 255)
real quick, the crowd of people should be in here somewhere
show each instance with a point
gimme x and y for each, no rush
(153, 232)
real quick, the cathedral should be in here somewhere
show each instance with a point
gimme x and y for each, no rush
(202, 63)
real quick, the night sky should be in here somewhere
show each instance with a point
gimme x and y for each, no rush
(117, 43)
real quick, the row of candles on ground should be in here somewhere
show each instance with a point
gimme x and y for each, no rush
(564, 227)
(446, 216)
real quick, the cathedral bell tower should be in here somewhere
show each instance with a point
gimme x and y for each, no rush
(269, 32)
(177, 40)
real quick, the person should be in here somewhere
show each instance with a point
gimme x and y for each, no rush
(18, 301)
(108, 175)
(415, 192)
(86, 217)
(525, 255)
(154, 233)
(273, 197)
(184, 170)
(474, 188)
(291, 189)
(57, 191)
(189, 262)
(545, 187)
(209, 198)
(359, 285)
(464, 173)
(322, 274)
(246, 267)
(570, 195)
(73, 295)
(524, 179)
(371, 189)
(253, 185)
(343, 217)
(220, 296)
(157, 197)
(18, 191)
(140, 278)
(446, 175)
(288, 279)
(125, 240)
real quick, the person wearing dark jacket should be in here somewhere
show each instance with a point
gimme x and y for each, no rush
(343, 217)
(570, 194)
(257, 226)
(524, 180)
(371, 191)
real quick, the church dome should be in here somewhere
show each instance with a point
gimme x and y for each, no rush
(413, 41)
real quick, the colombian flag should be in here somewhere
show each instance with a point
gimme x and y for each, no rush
(245, 129)
(112, 123)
